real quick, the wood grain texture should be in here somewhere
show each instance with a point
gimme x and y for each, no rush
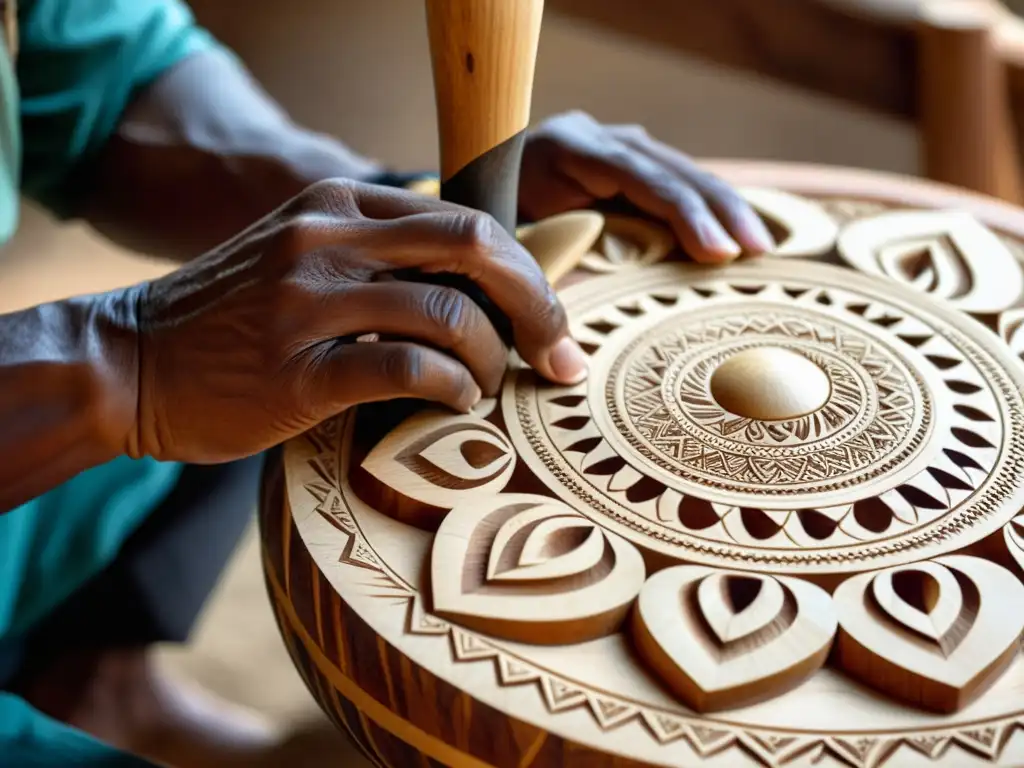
(734, 638)
(936, 634)
(483, 54)
(415, 683)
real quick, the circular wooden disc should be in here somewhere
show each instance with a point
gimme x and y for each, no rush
(662, 566)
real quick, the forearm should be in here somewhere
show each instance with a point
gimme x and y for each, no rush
(67, 392)
(201, 154)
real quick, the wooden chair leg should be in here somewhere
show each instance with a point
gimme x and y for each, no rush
(967, 132)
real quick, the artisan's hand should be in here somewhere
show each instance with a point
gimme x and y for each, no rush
(255, 342)
(571, 161)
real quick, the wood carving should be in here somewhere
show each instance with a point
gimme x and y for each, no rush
(629, 242)
(435, 460)
(527, 568)
(945, 254)
(1013, 540)
(559, 243)
(724, 639)
(779, 524)
(801, 227)
(935, 634)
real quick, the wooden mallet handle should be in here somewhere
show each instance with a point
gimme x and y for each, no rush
(483, 54)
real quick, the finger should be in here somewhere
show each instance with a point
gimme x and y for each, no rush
(618, 169)
(355, 199)
(441, 317)
(352, 374)
(472, 245)
(736, 214)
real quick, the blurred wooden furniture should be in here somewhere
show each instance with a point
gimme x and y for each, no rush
(954, 67)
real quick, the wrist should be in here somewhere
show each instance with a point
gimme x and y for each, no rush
(306, 158)
(105, 347)
(67, 392)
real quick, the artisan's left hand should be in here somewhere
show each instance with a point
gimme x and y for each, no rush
(571, 161)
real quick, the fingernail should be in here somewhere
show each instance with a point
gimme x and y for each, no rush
(568, 362)
(761, 238)
(715, 239)
(475, 395)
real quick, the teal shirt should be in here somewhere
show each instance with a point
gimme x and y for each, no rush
(79, 63)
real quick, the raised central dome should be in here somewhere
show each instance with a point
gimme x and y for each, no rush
(770, 384)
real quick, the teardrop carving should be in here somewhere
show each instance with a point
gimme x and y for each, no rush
(438, 458)
(528, 568)
(558, 243)
(1011, 329)
(726, 639)
(1013, 539)
(934, 634)
(946, 254)
(806, 229)
(628, 242)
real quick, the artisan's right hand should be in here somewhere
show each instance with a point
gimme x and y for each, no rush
(254, 342)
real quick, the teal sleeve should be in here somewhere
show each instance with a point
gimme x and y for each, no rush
(79, 64)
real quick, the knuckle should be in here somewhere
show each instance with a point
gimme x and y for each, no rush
(476, 233)
(631, 132)
(576, 116)
(446, 308)
(331, 196)
(405, 368)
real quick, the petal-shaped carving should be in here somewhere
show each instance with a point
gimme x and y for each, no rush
(808, 229)
(628, 242)
(1013, 538)
(947, 254)
(934, 634)
(1011, 328)
(725, 639)
(559, 242)
(532, 569)
(440, 458)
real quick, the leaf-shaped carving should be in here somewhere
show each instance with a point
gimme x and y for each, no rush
(724, 639)
(557, 243)
(1011, 328)
(934, 634)
(532, 569)
(628, 242)
(947, 254)
(439, 458)
(1013, 538)
(801, 227)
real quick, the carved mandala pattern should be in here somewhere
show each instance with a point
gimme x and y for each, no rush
(669, 416)
(914, 451)
(895, 459)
